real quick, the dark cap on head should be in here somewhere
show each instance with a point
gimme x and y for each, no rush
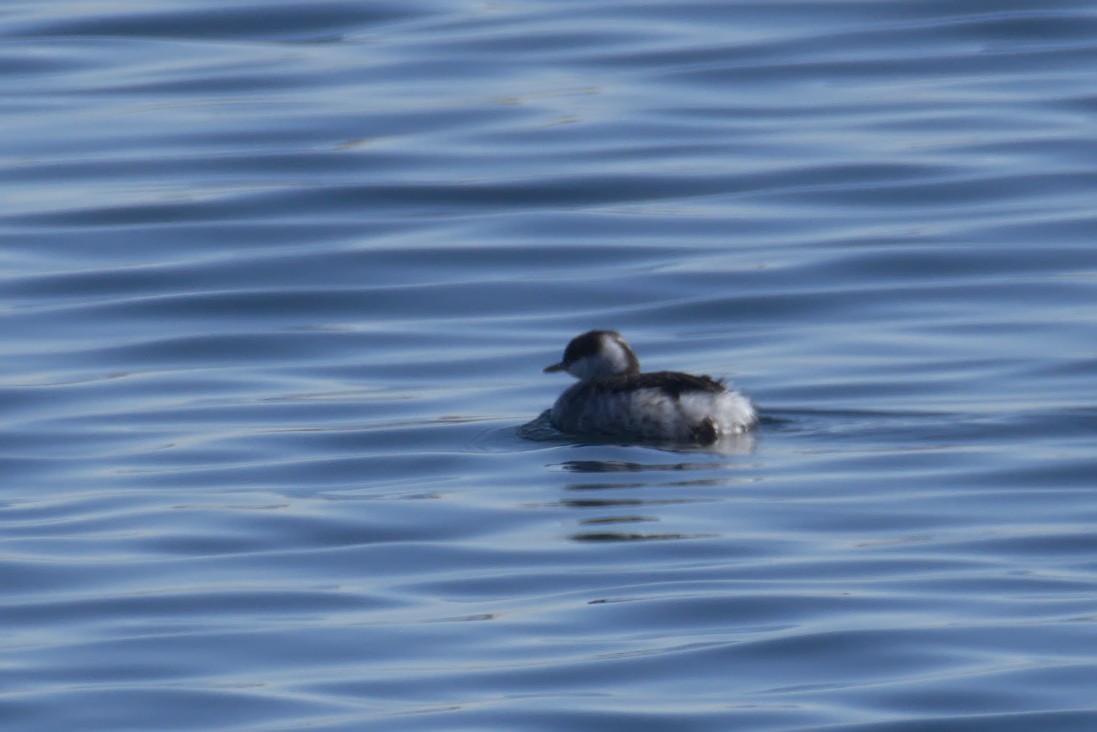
(590, 344)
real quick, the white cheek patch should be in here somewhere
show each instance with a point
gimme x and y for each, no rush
(615, 355)
(584, 368)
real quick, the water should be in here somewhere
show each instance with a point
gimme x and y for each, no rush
(279, 280)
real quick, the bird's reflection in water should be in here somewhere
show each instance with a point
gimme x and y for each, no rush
(624, 495)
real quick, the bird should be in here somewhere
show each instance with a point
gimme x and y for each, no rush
(613, 397)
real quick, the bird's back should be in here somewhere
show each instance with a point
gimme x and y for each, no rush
(661, 405)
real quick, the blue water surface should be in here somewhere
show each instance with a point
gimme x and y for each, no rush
(279, 278)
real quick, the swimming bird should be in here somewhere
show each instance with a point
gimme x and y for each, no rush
(613, 397)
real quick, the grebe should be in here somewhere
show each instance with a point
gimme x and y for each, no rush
(614, 398)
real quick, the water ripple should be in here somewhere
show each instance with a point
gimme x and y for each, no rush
(281, 277)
